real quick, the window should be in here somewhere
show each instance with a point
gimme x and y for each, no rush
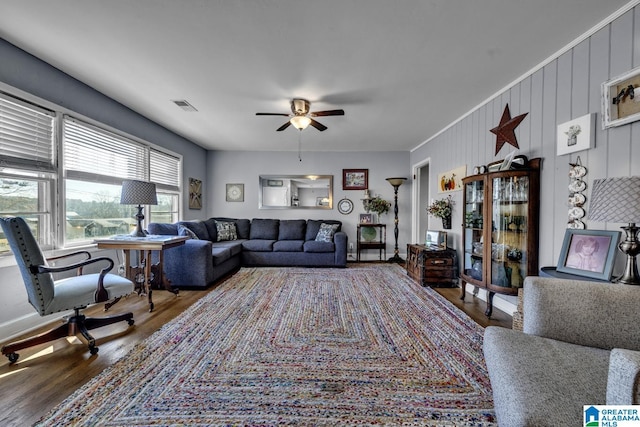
(57, 169)
(95, 163)
(165, 171)
(27, 167)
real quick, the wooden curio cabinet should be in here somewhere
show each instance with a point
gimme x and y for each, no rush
(500, 230)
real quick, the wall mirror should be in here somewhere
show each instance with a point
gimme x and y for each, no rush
(295, 192)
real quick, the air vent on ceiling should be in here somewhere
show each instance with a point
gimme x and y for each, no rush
(184, 105)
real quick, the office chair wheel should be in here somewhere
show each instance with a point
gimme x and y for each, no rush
(93, 349)
(13, 357)
(131, 322)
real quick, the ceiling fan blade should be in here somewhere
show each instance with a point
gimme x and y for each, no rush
(328, 113)
(272, 114)
(318, 125)
(284, 126)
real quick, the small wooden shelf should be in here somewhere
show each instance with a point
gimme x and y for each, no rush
(380, 242)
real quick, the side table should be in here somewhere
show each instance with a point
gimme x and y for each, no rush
(144, 246)
(367, 239)
(552, 272)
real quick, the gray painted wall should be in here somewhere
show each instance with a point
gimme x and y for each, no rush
(566, 88)
(245, 167)
(22, 74)
(27, 73)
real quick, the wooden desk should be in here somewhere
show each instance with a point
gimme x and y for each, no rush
(144, 246)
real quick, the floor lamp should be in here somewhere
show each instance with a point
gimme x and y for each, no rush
(396, 182)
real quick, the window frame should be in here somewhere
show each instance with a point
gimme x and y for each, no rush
(52, 230)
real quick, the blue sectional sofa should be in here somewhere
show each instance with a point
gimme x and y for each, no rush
(218, 246)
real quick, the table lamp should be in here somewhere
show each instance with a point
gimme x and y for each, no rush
(618, 200)
(138, 193)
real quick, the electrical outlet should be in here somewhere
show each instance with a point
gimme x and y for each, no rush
(121, 270)
(351, 246)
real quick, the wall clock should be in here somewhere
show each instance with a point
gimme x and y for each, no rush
(235, 192)
(345, 206)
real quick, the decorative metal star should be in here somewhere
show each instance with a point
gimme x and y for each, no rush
(505, 130)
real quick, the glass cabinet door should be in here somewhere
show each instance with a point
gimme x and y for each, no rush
(510, 207)
(474, 229)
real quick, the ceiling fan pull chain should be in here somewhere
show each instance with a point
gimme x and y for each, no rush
(300, 145)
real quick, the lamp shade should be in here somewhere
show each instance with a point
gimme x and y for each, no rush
(615, 200)
(396, 182)
(138, 193)
(300, 122)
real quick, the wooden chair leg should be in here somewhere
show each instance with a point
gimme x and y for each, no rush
(76, 323)
(51, 335)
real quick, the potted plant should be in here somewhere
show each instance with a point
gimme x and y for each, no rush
(377, 205)
(442, 209)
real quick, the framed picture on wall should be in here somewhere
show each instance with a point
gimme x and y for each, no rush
(195, 193)
(355, 179)
(576, 135)
(588, 253)
(235, 192)
(620, 99)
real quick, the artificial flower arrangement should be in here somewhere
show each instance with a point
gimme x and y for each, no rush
(441, 208)
(378, 205)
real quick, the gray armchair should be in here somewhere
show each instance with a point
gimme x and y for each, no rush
(49, 296)
(580, 345)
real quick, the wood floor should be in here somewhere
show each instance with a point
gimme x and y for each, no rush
(45, 375)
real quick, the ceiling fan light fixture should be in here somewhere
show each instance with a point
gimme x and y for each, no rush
(300, 122)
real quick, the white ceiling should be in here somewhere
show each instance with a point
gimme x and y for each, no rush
(401, 70)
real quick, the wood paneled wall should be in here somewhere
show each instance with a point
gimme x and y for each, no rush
(564, 88)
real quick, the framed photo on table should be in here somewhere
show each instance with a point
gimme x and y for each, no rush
(588, 253)
(355, 179)
(366, 218)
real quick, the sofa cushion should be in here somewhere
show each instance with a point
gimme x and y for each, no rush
(292, 229)
(220, 254)
(266, 229)
(235, 246)
(326, 232)
(164, 229)
(288, 246)
(243, 227)
(226, 230)
(184, 231)
(258, 245)
(198, 227)
(211, 229)
(313, 226)
(313, 246)
(533, 377)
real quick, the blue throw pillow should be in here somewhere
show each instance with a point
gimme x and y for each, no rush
(326, 232)
(184, 231)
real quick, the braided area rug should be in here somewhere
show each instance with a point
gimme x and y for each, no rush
(363, 345)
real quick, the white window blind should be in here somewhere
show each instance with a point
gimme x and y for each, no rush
(26, 136)
(164, 170)
(91, 151)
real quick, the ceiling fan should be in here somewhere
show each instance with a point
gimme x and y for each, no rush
(301, 117)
